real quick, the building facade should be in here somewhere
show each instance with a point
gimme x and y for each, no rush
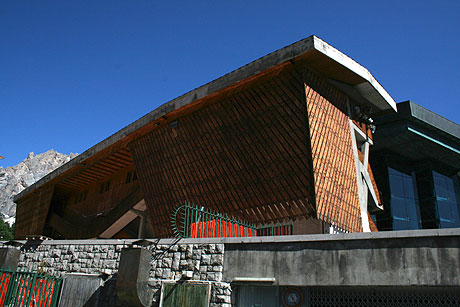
(417, 163)
(285, 138)
(397, 268)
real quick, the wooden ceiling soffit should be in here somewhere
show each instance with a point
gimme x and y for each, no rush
(99, 170)
(63, 175)
(124, 220)
(95, 226)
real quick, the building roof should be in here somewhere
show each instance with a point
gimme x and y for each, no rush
(418, 134)
(340, 69)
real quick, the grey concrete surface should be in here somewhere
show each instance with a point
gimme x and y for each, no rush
(9, 258)
(80, 290)
(393, 260)
(133, 277)
(448, 232)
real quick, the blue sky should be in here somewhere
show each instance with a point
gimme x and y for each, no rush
(74, 72)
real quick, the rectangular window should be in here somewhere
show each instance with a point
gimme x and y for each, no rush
(107, 186)
(447, 200)
(129, 177)
(405, 210)
(104, 187)
(81, 197)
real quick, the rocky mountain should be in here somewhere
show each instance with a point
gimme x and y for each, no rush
(16, 178)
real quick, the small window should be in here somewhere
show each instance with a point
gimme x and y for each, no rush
(134, 176)
(129, 177)
(81, 197)
(107, 186)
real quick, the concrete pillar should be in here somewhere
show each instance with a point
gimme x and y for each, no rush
(9, 258)
(133, 277)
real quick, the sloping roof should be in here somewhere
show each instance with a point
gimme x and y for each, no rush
(350, 76)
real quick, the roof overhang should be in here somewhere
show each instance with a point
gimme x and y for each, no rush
(341, 70)
(356, 80)
(418, 134)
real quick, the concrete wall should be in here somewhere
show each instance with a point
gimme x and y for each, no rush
(423, 258)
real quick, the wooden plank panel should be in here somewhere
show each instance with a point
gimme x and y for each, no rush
(336, 190)
(246, 154)
(32, 212)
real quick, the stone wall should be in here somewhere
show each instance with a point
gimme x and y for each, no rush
(170, 261)
(403, 259)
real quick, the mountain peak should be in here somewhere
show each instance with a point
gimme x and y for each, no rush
(16, 178)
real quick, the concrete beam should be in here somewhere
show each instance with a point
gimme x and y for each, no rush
(124, 220)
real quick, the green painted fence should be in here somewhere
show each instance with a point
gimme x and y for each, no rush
(24, 289)
(191, 221)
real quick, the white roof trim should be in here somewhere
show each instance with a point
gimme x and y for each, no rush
(355, 67)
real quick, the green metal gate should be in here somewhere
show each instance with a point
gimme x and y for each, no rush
(24, 289)
(185, 294)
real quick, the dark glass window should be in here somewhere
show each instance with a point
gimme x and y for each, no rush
(129, 177)
(104, 187)
(107, 186)
(404, 203)
(447, 200)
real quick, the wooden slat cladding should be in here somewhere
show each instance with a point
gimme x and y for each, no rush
(99, 170)
(372, 225)
(336, 191)
(83, 227)
(371, 175)
(364, 128)
(31, 212)
(100, 197)
(93, 193)
(247, 154)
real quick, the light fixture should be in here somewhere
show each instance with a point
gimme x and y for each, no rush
(268, 280)
(173, 124)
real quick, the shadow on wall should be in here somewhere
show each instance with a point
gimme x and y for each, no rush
(89, 291)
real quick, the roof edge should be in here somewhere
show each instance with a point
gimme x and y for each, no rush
(355, 67)
(433, 119)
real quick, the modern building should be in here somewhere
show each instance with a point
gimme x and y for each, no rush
(280, 146)
(416, 162)
(282, 140)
